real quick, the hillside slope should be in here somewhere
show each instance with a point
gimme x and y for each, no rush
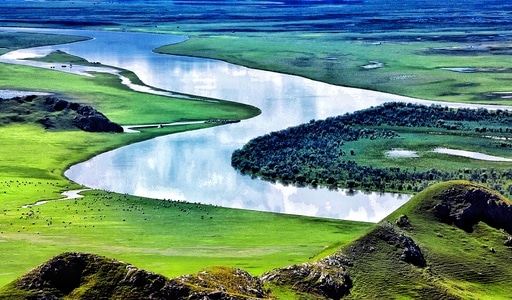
(450, 241)
(447, 242)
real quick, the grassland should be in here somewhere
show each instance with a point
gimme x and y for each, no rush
(167, 237)
(459, 264)
(12, 41)
(414, 40)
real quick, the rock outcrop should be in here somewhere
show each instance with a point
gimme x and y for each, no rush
(85, 117)
(326, 278)
(465, 206)
(411, 252)
(89, 276)
(54, 113)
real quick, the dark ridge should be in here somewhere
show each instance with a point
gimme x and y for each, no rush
(465, 206)
(53, 113)
(411, 252)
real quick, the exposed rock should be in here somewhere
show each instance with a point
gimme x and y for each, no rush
(88, 276)
(54, 113)
(411, 251)
(472, 205)
(403, 222)
(60, 105)
(326, 278)
(227, 280)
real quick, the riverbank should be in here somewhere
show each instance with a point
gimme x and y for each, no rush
(117, 225)
(352, 151)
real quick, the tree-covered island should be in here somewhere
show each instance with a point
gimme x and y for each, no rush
(355, 151)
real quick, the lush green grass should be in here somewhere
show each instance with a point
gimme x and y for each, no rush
(410, 66)
(171, 238)
(462, 260)
(423, 142)
(63, 57)
(337, 58)
(150, 234)
(117, 102)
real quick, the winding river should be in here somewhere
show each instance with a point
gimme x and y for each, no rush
(195, 166)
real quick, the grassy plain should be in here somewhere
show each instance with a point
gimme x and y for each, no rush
(12, 41)
(413, 40)
(423, 142)
(166, 237)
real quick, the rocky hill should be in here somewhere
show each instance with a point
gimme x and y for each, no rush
(54, 113)
(451, 241)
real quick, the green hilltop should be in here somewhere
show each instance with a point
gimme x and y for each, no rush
(445, 243)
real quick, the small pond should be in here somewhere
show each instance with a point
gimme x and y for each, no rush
(8, 94)
(401, 153)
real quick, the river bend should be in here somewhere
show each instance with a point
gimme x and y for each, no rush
(195, 166)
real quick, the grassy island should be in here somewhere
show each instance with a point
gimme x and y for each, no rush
(391, 147)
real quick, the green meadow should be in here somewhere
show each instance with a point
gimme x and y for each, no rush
(169, 237)
(412, 61)
(414, 53)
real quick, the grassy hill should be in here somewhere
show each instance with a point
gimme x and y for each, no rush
(471, 262)
(422, 252)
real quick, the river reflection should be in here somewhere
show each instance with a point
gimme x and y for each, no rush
(195, 166)
(188, 166)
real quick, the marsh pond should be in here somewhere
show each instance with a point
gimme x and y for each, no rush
(195, 166)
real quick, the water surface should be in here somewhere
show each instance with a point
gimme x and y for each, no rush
(471, 154)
